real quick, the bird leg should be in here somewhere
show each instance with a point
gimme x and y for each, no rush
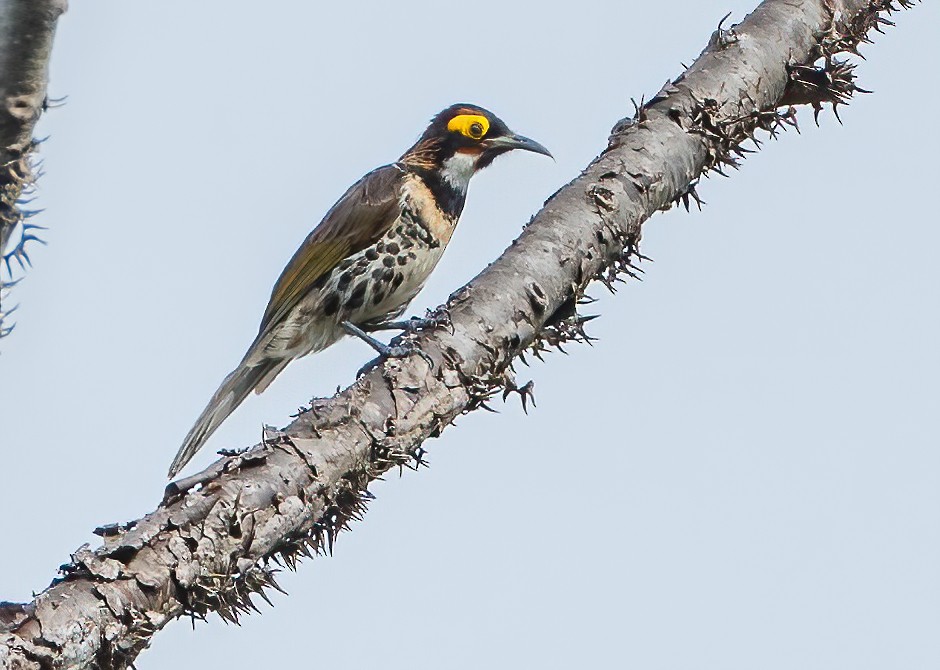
(398, 351)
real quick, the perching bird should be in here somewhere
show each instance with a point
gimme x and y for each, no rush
(367, 259)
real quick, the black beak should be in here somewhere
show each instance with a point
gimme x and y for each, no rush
(510, 142)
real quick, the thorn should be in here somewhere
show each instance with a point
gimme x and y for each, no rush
(723, 19)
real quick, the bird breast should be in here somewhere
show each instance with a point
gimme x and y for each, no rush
(407, 253)
(418, 199)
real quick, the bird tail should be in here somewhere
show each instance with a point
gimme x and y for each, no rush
(234, 389)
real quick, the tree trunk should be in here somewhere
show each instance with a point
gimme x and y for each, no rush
(26, 31)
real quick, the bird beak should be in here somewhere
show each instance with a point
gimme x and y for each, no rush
(510, 142)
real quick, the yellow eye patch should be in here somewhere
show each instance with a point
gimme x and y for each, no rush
(473, 126)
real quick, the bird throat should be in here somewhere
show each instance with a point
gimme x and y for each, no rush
(458, 169)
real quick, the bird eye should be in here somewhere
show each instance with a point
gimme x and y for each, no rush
(474, 126)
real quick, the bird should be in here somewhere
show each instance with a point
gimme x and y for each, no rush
(367, 259)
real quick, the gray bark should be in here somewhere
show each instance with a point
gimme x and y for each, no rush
(26, 31)
(208, 546)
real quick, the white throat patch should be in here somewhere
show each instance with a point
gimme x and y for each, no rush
(458, 169)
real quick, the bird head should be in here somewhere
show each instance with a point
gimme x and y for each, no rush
(464, 139)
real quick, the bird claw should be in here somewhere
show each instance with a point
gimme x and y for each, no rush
(405, 349)
(428, 323)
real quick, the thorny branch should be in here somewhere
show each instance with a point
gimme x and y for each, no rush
(215, 540)
(26, 31)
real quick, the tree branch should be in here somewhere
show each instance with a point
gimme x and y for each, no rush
(26, 31)
(210, 545)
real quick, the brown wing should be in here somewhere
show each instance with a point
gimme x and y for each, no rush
(358, 219)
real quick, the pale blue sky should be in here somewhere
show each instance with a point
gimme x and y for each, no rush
(742, 473)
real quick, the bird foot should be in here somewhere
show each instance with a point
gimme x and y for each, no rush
(398, 351)
(402, 350)
(412, 325)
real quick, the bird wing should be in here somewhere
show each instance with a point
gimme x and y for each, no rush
(358, 219)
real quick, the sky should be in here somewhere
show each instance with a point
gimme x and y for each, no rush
(742, 472)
